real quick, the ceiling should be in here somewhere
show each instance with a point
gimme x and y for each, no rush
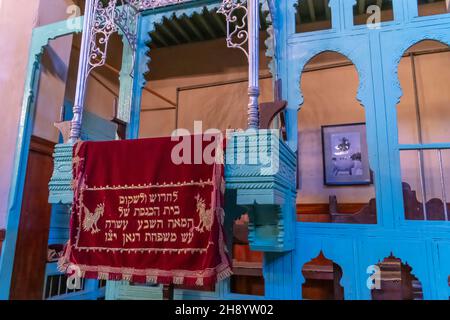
(208, 25)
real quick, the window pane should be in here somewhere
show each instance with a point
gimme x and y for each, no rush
(364, 10)
(425, 185)
(312, 15)
(428, 8)
(424, 110)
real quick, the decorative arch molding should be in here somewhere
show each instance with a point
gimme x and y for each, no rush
(338, 252)
(151, 20)
(355, 48)
(394, 54)
(41, 38)
(414, 254)
(356, 55)
(343, 282)
(403, 262)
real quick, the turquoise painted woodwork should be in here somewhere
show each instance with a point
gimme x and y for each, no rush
(40, 39)
(376, 54)
(60, 185)
(261, 168)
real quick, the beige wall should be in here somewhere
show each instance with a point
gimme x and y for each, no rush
(15, 34)
(17, 19)
(54, 72)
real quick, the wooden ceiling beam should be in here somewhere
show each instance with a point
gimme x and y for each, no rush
(193, 28)
(183, 33)
(206, 26)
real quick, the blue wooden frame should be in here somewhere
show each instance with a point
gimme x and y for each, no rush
(375, 53)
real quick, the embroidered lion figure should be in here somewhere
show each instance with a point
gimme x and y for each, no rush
(206, 216)
(91, 219)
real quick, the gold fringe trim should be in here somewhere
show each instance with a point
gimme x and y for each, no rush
(127, 277)
(178, 280)
(225, 274)
(103, 276)
(199, 282)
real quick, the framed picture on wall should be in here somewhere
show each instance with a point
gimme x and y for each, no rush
(345, 155)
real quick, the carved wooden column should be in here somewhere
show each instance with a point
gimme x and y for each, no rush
(83, 67)
(253, 63)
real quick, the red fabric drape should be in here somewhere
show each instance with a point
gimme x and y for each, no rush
(137, 216)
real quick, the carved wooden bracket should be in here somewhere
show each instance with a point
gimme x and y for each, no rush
(268, 111)
(266, 190)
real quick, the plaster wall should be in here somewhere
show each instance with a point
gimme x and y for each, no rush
(54, 72)
(15, 35)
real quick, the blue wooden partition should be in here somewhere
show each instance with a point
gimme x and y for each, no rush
(376, 53)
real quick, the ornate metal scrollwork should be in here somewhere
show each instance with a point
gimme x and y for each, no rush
(151, 4)
(237, 34)
(113, 15)
(102, 27)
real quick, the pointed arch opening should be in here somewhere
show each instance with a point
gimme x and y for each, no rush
(394, 280)
(335, 179)
(322, 279)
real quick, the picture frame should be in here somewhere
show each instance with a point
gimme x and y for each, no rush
(345, 155)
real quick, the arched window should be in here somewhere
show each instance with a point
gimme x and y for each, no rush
(335, 176)
(424, 133)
